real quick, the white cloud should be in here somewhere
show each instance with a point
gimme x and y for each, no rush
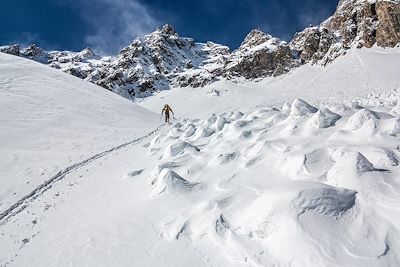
(314, 17)
(116, 23)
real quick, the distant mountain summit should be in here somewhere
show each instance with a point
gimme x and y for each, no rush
(163, 59)
(156, 61)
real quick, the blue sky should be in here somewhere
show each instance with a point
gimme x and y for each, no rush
(109, 25)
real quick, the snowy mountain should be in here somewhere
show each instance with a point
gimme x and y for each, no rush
(152, 62)
(163, 59)
(147, 65)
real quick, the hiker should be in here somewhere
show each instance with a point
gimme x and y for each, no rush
(166, 111)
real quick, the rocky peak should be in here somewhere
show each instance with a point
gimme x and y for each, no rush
(10, 49)
(254, 38)
(260, 55)
(216, 49)
(86, 53)
(257, 40)
(33, 52)
(168, 29)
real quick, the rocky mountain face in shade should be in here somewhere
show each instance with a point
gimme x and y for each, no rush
(260, 55)
(163, 59)
(11, 49)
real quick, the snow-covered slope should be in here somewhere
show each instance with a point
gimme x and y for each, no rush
(50, 120)
(360, 72)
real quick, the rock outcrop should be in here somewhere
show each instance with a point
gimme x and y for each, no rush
(11, 49)
(35, 53)
(388, 31)
(260, 55)
(313, 44)
(356, 23)
(80, 64)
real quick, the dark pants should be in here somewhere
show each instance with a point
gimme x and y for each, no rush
(166, 116)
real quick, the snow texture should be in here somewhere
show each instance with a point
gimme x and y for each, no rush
(236, 180)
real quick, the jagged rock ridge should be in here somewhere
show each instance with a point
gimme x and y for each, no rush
(156, 60)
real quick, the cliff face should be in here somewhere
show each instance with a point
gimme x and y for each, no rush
(356, 23)
(388, 32)
(260, 55)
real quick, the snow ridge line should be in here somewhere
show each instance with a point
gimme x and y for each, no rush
(61, 174)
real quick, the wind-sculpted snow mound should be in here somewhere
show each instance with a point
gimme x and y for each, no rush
(326, 201)
(362, 117)
(171, 181)
(277, 175)
(178, 148)
(324, 118)
(301, 108)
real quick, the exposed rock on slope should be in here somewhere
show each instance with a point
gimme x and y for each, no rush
(79, 64)
(313, 43)
(356, 23)
(35, 53)
(10, 49)
(388, 32)
(260, 55)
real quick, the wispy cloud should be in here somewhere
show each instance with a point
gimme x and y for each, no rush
(115, 23)
(308, 16)
(25, 38)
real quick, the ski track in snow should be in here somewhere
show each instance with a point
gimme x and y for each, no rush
(13, 210)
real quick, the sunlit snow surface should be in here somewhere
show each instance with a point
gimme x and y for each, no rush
(301, 183)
